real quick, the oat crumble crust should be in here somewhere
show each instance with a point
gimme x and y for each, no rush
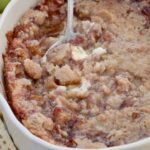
(94, 91)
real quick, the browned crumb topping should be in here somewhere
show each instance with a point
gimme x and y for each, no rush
(93, 91)
(33, 69)
(65, 76)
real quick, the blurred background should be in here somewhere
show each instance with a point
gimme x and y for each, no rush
(3, 4)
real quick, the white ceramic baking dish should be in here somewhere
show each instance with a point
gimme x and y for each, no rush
(23, 139)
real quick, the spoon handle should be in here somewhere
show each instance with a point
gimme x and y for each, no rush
(70, 13)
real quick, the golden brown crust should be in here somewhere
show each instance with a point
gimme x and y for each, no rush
(7, 86)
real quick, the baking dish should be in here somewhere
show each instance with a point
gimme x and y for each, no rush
(23, 139)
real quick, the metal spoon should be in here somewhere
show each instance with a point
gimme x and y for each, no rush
(69, 33)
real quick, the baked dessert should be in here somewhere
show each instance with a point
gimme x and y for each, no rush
(93, 91)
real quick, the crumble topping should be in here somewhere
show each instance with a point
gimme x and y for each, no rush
(94, 91)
